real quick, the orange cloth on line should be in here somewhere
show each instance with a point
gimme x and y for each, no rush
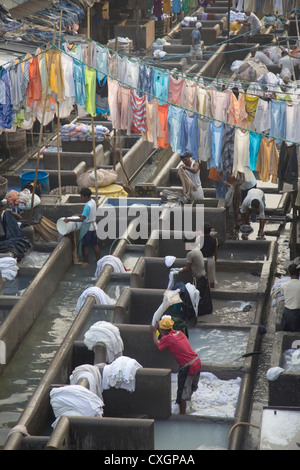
(267, 160)
(237, 110)
(154, 130)
(213, 174)
(163, 115)
(34, 87)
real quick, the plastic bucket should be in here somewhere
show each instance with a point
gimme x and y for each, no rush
(67, 227)
(42, 176)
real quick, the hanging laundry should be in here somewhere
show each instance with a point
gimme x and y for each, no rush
(163, 117)
(124, 105)
(262, 119)
(174, 127)
(101, 297)
(204, 152)
(241, 153)
(189, 96)
(138, 117)
(90, 84)
(220, 104)
(278, 120)
(109, 260)
(121, 374)
(267, 160)
(292, 123)
(161, 85)
(251, 106)
(216, 132)
(254, 143)
(227, 150)
(6, 109)
(237, 114)
(190, 135)
(175, 89)
(288, 166)
(113, 102)
(145, 81)
(154, 131)
(107, 333)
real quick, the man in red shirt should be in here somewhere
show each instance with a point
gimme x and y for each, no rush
(186, 357)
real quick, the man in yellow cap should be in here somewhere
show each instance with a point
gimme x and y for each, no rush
(188, 360)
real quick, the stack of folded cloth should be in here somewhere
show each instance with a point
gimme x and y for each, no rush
(82, 132)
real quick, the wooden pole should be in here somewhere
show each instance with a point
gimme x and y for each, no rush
(92, 117)
(58, 122)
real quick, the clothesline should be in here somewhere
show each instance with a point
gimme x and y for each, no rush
(166, 101)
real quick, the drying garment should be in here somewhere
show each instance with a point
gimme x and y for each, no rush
(15, 74)
(6, 109)
(138, 116)
(114, 102)
(254, 144)
(101, 96)
(122, 68)
(189, 95)
(216, 133)
(262, 119)
(99, 295)
(288, 166)
(90, 84)
(237, 114)
(190, 135)
(175, 89)
(74, 400)
(220, 101)
(107, 333)
(204, 153)
(154, 131)
(124, 104)
(145, 81)
(163, 117)
(79, 83)
(176, 6)
(133, 68)
(111, 260)
(102, 62)
(267, 160)
(278, 120)
(67, 70)
(56, 82)
(292, 123)
(227, 149)
(120, 374)
(251, 103)
(203, 102)
(241, 153)
(93, 376)
(8, 267)
(174, 127)
(171, 297)
(161, 85)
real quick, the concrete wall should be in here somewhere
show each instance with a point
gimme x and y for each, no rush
(25, 312)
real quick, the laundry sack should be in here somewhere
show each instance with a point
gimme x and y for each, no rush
(104, 178)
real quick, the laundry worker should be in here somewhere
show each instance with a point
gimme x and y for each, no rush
(189, 173)
(196, 40)
(195, 264)
(14, 217)
(187, 359)
(261, 56)
(88, 230)
(209, 251)
(291, 291)
(253, 21)
(253, 204)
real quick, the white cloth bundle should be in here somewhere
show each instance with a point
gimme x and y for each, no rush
(92, 374)
(98, 293)
(107, 333)
(194, 296)
(112, 260)
(74, 400)
(171, 297)
(273, 373)
(9, 268)
(121, 374)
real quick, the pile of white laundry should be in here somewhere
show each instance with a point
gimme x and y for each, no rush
(108, 334)
(121, 374)
(114, 261)
(101, 297)
(8, 267)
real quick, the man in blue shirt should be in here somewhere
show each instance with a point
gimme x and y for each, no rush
(196, 40)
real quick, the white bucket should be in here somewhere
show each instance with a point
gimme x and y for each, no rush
(67, 227)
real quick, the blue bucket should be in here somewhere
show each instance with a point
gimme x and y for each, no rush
(42, 176)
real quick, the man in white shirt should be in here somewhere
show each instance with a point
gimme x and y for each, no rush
(253, 204)
(291, 291)
(253, 21)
